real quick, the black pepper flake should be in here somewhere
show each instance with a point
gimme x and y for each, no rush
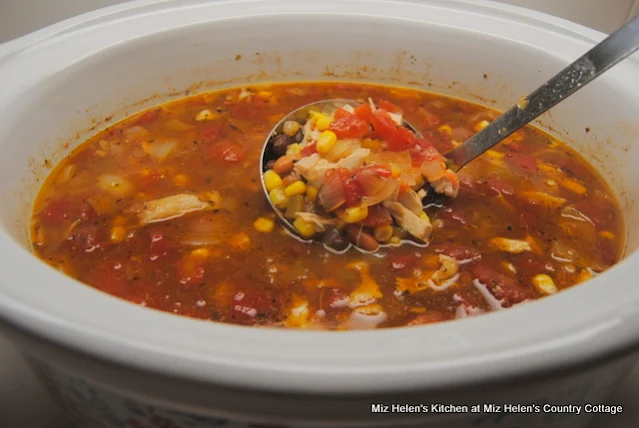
(208, 180)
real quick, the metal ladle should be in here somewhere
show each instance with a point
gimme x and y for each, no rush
(591, 65)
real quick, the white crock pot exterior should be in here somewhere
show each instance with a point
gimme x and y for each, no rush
(116, 364)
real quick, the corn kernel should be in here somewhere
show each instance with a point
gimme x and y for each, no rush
(383, 233)
(293, 149)
(607, 234)
(495, 154)
(205, 114)
(322, 121)
(296, 188)
(513, 246)
(445, 129)
(584, 275)
(395, 240)
(291, 127)
(373, 145)
(573, 185)
(240, 241)
(354, 214)
(264, 225)
(278, 198)
(119, 220)
(311, 193)
(544, 284)
(265, 95)
(272, 180)
(326, 141)
(214, 198)
(509, 267)
(118, 233)
(200, 253)
(481, 125)
(305, 228)
(180, 180)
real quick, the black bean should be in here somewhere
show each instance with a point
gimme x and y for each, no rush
(339, 243)
(334, 239)
(299, 136)
(280, 143)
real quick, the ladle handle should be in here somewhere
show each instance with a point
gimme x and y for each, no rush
(610, 51)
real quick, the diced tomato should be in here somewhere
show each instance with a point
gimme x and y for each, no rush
(398, 138)
(191, 270)
(352, 190)
(440, 141)
(458, 252)
(246, 305)
(390, 107)
(309, 150)
(210, 133)
(428, 119)
(364, 112)
(109, 276)
(347, 125)
(244, 111)
(502, 287)
(159, 246)
(523, 161)
(429, 317)
(496, 186)
(530, 264)
(66, 208)
(341, 113)
(377, 216)
(333, 299)
(56, 211)
(423, 153)
(401, 261)
(85, 238)
(150, 180)
(227, 151)
(598, 210)
(451, 213)
(380, 170)
(148, 116)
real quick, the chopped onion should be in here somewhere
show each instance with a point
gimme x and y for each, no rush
(102, 204)
(136, 133)
(114, 184)
(318, 221)
(331, 194)
(397, 118)
(203, 231)
(66, 174)
(400, 160)
(160, 150)
(342, 148)
(461, 134)
(386, 192)
(370, 182)
(177, 125)
(433, 170)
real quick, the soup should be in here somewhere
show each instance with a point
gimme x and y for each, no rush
(165, 209)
